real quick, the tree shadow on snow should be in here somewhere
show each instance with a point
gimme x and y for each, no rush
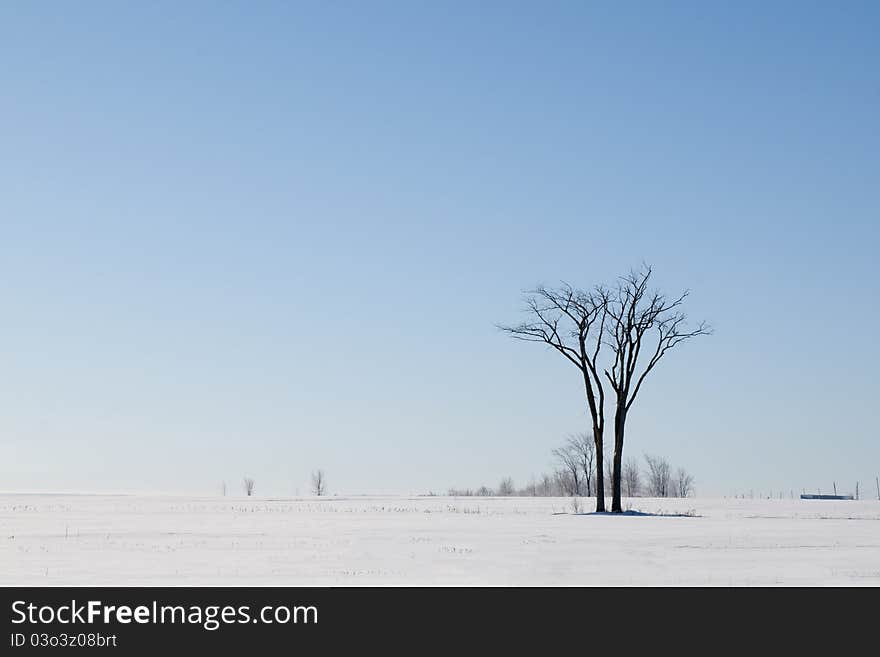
(690, 513)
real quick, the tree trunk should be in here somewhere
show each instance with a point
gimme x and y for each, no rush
(619, 426)
(600, 476)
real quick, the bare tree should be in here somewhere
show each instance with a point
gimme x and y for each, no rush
(572, 322)
(545, 487)
(564, 483)
(569, 463)
(319, 483)
(684, 483)
(223, 488)
(659, 476)
(506, 488)
(632, 480)
(609, 475)
(634, 314)
(585, 449)
(248, 484)
(532, 488)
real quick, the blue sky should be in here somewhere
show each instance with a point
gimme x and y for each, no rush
(261, 238)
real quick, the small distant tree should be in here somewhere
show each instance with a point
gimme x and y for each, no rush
(223, 488)
(568, 458)
(531, 490)
(632, 480)
(319, 483)
(248, 484)
(483, 491)
(684, 482)
(506, 488)
(659, 476)
(585, 449)
(609, 475)
(564, 483)
(545, 486)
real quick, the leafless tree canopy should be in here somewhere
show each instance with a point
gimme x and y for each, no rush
(506, 488)
(572, 323)
(248, 484)
(545, 486)
(659, 476)
(657, 480)
(577, 464)
(632, 479)
(319, 483)
(569, 473)
(585, 449)
(634, 315)
(609, 475)
(684, 483)
(563, 483)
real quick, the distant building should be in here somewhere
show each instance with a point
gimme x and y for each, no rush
(827, 497)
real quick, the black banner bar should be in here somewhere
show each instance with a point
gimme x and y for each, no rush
(128, 621)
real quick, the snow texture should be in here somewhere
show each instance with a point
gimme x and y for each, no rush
(176, 540)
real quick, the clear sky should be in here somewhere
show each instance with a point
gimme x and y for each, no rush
(261, 238)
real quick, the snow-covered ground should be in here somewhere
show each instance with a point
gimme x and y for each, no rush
(174, 540)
